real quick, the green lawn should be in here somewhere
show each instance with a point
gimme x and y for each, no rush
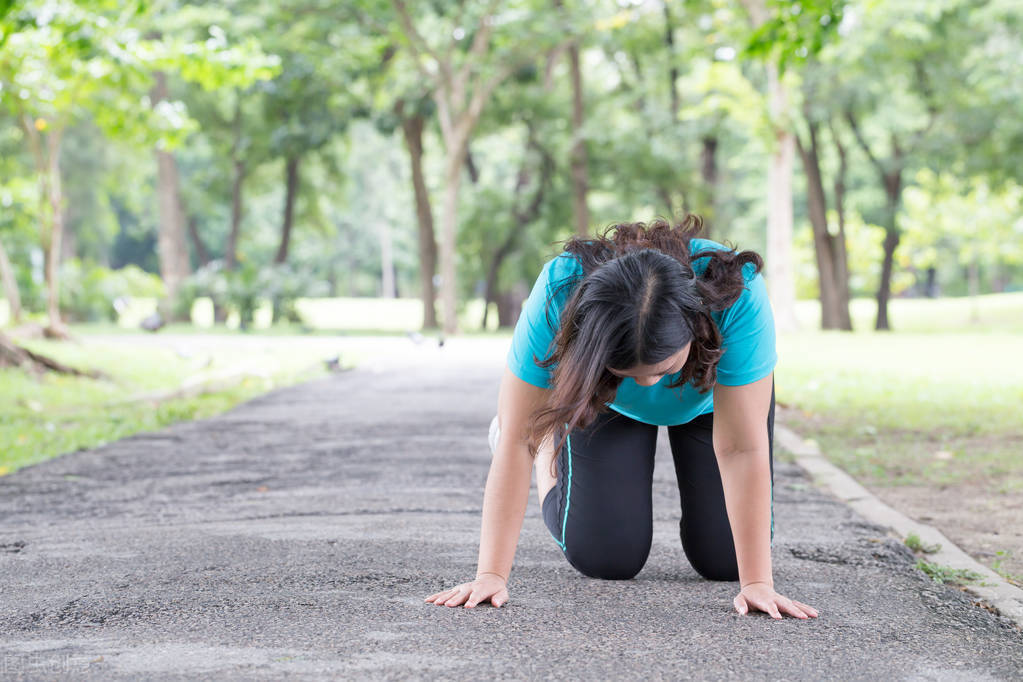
(53, 414)
(936, 402)
(910, 407)
(939, 401)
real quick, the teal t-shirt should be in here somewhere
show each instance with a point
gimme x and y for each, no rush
(747, 330)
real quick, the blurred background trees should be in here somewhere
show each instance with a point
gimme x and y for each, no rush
(249, 151)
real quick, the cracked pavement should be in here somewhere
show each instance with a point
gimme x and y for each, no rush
(298, 534)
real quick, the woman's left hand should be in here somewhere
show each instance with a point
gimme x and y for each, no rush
(762, 597)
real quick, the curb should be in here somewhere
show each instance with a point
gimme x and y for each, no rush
(994, 590)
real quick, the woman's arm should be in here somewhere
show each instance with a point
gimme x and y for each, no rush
(507, 490)
(742, 450)
(504, 499)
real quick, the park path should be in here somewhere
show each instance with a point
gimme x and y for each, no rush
(298, 534)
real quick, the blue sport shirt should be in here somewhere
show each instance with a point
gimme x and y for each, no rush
(747, 330)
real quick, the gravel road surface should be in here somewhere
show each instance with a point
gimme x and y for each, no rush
(298, 534)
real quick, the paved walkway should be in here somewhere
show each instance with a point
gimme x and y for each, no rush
(299, 533)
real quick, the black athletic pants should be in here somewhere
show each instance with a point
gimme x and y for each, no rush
(600, 510)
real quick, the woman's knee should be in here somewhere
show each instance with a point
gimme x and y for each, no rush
(608, 563)
(717, 570)
(713, 561)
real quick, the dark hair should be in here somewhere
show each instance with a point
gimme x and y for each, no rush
(639, 302)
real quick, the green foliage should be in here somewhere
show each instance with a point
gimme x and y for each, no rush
(914, 542)
(90, 292)
(996, 566)
(947, 575)
(934, 406)
(42, 417)
(209, 280)
(958, 222)
(243, 289)
(934, 81)
(795, 31)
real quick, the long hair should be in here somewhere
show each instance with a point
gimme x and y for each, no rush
(639, 302)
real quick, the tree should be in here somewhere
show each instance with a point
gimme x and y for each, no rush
(412, 119)
(829, 247)
(78, 61)
(10, 285)
(893, 106)
(780, 276)
(171, 246)
(788, 34)
(63, 64)
(967, 223)
(580, 171)
(463, 72)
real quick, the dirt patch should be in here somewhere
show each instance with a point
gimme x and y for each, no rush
(977, 504)
(986, 524)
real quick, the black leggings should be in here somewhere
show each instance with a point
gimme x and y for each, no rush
(600, 510)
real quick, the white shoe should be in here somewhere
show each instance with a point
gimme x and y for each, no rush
(494, 435)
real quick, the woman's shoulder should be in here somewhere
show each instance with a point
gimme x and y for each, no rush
(699, 245)
(566, 265)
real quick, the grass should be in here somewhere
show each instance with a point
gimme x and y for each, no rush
(278, 330)
(914, 542)
(935, 403)
(996, 566)
(946, 574)
(41, 417)
(910, 407)
(990, 312)
(931, 409)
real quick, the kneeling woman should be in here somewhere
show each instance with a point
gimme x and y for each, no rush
(644, 326)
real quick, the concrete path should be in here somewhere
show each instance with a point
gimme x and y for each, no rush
(298, 534)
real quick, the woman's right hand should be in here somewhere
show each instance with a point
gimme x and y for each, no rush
(487, 586)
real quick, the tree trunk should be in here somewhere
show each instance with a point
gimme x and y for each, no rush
(171, 246)
(892, 181)
(13, 355)
(461, 95)
(780, 276)
(973, 282)
(449, 228)
(10, 284)
(387, 289)
(470, 166)
(238, 179)
(580, 173)
(884, 290)
(890, 174)
(818, 212)
(931, 285)
(291, 167)
(68, 240)
(508, 307)
(709, 173)
(231, 247)
(522, 217)
(51, 214)
(412, 127)
(840, 250)
(669, 41)
(201, 252)
(56, 210)
(331, 281)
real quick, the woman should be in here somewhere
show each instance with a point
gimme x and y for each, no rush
(641, 327)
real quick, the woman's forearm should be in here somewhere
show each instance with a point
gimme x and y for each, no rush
(504, 506)
(746, 478)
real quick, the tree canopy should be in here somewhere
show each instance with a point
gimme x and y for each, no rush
(245, 149)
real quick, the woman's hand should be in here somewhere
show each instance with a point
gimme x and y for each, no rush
(486, 586)
(762, 597)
